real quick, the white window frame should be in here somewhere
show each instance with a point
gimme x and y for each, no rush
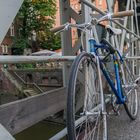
(100, 2)
(4, 49)
(12, 30)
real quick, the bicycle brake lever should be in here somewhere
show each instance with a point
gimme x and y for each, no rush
(65, 29)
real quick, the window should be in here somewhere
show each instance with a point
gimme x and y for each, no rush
(100, 2)
(12, 30)
(4, 49)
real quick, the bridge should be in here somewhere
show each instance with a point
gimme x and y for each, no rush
(19, 115)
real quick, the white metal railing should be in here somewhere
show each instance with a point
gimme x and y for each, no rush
(11, 59)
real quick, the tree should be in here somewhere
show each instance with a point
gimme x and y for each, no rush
(35, 19)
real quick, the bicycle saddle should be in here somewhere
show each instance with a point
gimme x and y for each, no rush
(113, 31)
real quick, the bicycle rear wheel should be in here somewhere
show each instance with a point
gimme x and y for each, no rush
(130, 90)
(84, 120)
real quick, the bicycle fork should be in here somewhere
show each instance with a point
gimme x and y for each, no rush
(103, 108)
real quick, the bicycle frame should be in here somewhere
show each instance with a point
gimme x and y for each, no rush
(118, 89)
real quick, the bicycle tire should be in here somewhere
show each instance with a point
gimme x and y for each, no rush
(88, 125)
(130, 91)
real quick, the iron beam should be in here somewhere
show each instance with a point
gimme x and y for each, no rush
(10, 59)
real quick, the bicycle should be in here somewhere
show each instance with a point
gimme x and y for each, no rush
(86, 109)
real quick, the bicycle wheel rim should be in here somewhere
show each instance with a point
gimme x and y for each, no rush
(131, 106)
(130, 91)
(84, 126)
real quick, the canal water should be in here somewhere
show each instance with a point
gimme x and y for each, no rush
(41, 131)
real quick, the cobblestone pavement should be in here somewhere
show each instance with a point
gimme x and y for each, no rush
(122, 128)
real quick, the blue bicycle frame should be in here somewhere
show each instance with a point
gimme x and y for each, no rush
(118, 89)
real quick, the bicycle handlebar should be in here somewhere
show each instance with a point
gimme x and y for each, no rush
(122, 14)
(106, 17)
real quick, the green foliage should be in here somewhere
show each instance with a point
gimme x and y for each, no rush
(19, 44)
(53, 43)
(25, 66)
(37, 16)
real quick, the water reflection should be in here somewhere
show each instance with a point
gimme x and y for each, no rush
(41, 131)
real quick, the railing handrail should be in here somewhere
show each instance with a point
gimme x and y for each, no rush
(24, 82)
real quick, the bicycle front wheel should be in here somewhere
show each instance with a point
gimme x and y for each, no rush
(130, 90)
(84, 120)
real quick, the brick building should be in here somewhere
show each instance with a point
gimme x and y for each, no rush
(5, 46)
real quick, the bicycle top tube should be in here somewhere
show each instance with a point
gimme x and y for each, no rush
(94, 46)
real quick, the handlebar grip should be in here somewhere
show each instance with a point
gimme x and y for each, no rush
(123, 14)
(56, 29)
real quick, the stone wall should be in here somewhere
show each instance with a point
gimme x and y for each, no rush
(43, 78)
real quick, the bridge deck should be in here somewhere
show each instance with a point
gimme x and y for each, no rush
(122, 128)
(21, 114)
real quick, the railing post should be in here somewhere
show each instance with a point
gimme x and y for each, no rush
(65, 37)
